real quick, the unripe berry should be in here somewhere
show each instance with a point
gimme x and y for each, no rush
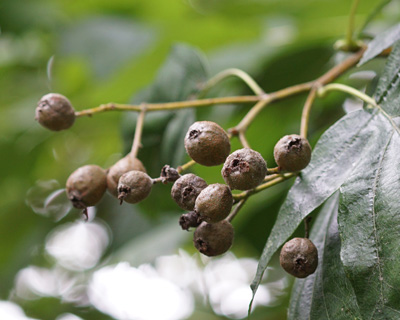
(214, 203)
(86, 186)
(122, 166)
(292, 153)
(207, 143)
(213, 239)
(244, 169)
(134, 186)
(55, 112)
(299, 257)
(186, 189)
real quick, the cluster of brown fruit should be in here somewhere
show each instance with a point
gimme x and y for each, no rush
(209, 206)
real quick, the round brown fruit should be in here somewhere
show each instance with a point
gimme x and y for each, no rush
(55, 112)
(244, 169)
(299, 257)
(122, 166)
(292, 153)
(213, 239)
(186, 189)
(134, 186)
(86, 186)
(214, 203)
(207, 143)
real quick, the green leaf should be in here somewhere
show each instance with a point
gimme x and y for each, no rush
(332, 161)
(381, 42)
(326, 294)
(373, 14)
(302, 291)
(388, 90)
(368, 222)
(348, 146)
(333, 295)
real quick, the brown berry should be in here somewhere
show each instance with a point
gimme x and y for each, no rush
(134, 186)
(299, 257)
(189, 220)
(213, 239)
(244, 169)
(186, 189)
(292, 153)
(86, 186)
(55, 112)
(214, 203)
(122, 166)
(207, 143)
(169, 174)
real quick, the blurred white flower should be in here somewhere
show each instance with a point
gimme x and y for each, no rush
(228, 284)
(181, 269)
(128, 293)
(32, 282)
(68, 316)
(12, 311)
(79, 245)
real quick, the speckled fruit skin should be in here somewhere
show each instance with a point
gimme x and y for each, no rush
(299, 257)
(55, 112)
(186, 189)
(244, 169)
(213, 239)
(292, 153)
(86, 186)
(122, 166)
(207, 143)
(214, 203)
(134, 186)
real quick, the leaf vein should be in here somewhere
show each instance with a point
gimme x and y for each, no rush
(375, 231)
(391, 85)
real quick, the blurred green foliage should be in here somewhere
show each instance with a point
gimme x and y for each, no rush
(100, 51)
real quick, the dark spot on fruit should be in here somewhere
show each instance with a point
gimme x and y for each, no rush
(300, 263)
(194, 134)
(187, 191)
(189, 220)
(294, 142)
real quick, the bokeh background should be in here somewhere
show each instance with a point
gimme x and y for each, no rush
(133, 261)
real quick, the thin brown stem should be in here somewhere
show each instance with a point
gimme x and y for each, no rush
(138, 133)
(243, 140)
(305, 116)
(350, 26)
(235, 211)
(277, 180)
(329, 76)
(186, 166)
(168, 105)
(252, 84)
(273, 170)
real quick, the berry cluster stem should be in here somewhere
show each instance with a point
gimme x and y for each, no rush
(246, 78)
(328, 77)
(358, 94)
(168, 105)
(276, 180)
(138, 133)
(350, 26)
(235, 211)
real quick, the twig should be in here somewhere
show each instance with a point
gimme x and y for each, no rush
(253, 85)
(235, 211)
(138, 133)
